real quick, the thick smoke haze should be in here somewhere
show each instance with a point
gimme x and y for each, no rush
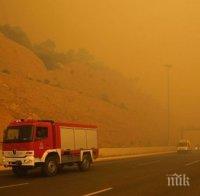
(135, 37)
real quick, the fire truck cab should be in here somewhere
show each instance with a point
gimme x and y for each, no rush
(49, 145)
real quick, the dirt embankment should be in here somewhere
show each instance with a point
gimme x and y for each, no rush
(77, 92)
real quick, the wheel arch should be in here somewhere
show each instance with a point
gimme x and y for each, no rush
(88, 152)
(49, 153)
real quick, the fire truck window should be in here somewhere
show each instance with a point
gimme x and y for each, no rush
(41, 132)
(13, 134)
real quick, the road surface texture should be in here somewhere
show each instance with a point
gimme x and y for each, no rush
(135, 176)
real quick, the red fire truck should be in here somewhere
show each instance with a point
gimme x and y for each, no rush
(49, 145)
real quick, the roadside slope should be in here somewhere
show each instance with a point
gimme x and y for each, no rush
(77, 92)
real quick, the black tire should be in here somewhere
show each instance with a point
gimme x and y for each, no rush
(19, 171)
(50, 167)
(85, 164)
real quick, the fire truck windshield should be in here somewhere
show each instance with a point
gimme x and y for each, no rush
(18, 134)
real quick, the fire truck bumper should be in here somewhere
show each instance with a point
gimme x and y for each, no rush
(25, 161)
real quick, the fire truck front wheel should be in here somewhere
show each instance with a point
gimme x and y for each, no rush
(50, 167)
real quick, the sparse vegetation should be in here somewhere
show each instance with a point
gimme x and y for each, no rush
(57, 85)
(16, 34)
(123, 106)
(38, 80)
(72, 72)
(47, 52)
(29, 78)
(5, 71)
(83, 56)
(105, 98)
(46, 81)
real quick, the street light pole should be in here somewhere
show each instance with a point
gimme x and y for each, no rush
(168, 103)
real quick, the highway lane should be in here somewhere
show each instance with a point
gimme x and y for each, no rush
(134, 176)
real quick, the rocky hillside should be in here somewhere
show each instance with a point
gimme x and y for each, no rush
(79, 92)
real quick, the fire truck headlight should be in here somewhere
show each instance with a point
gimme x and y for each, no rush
(29, 159)
(3, 159)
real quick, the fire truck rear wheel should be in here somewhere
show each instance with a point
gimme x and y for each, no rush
(19, 171)
(84, 165)
(50, 167)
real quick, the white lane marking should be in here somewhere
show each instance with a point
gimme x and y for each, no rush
(149, 163)
(97, 192)
(191, 163)
(13, 185)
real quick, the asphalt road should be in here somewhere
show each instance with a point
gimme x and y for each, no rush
(134, 176)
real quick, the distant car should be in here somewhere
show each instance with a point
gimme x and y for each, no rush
(184, 146)
(197, 147)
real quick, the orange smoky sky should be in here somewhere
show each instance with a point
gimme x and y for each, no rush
(135, 37)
